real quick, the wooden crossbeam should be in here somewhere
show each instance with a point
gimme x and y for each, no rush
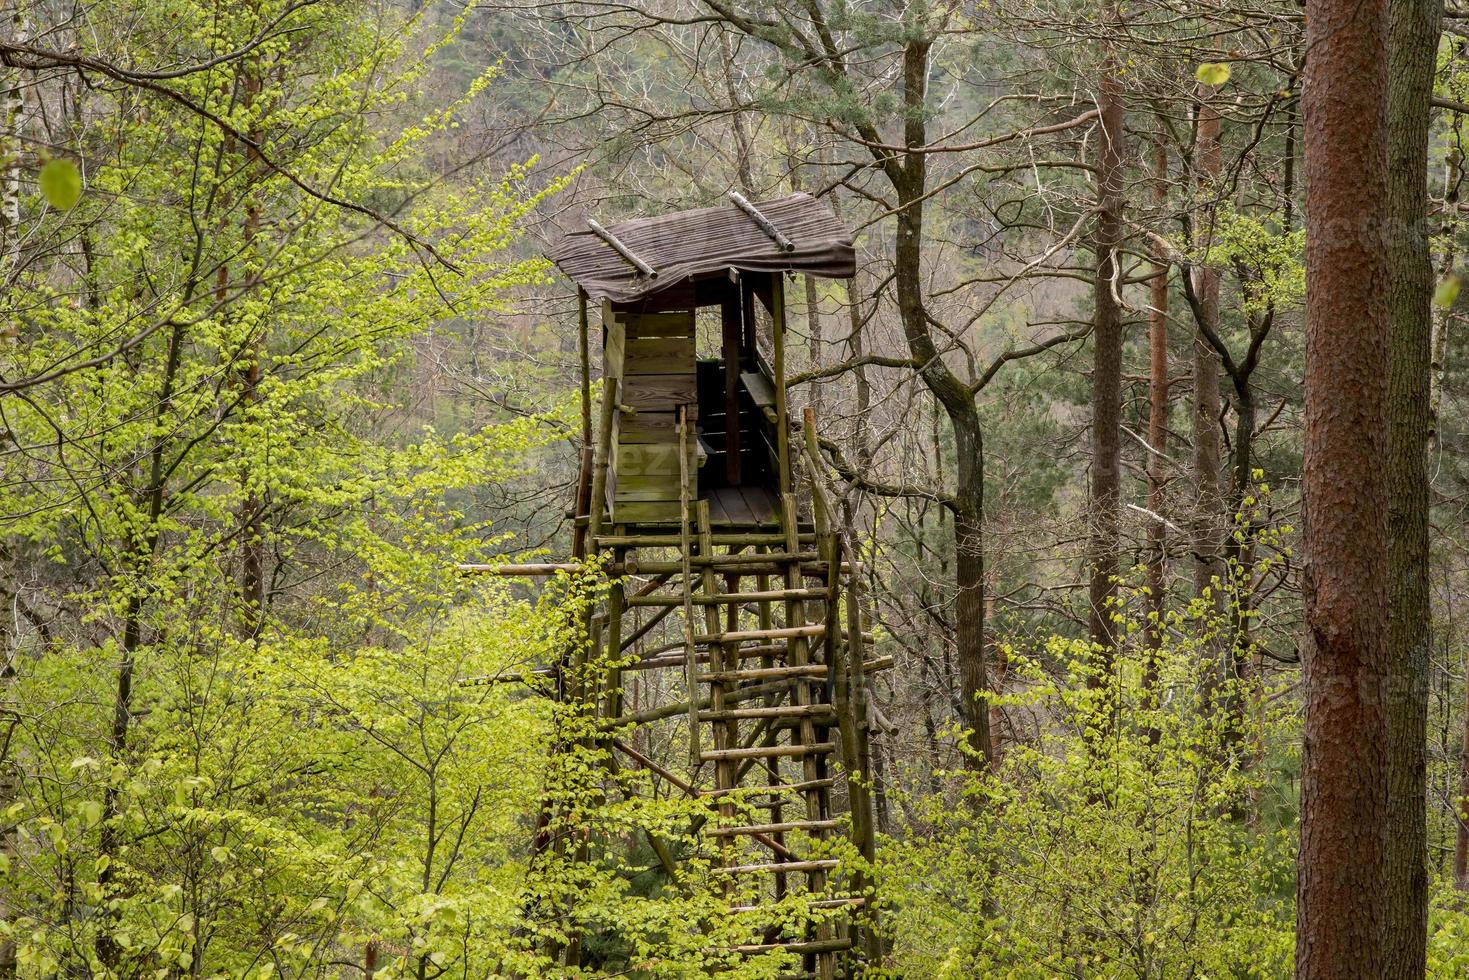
(622, 249)
(764, 223)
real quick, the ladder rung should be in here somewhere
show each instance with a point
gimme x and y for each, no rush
(777, 711)
(774, 595)
(826, 903)
(764, 673)
(672, 540)
(773, 828)
(780, 788)
(769, 751)
(778, 633)
(780, 867)
(797, 946)
(729, 598)
(761, 650)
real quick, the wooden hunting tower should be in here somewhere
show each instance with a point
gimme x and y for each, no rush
(731, 608)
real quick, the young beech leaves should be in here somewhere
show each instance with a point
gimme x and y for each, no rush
(1214, 73)
(60, 182)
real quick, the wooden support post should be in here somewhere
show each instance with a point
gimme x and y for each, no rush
(603, 460)
(782, 418)
(729, 311)
(723, 769)
(800, 657)
(691, 652)
(584, 352)
(766, 624)
(864, 829)
(747, 314)
(616, 597)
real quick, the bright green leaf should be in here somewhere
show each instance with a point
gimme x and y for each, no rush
(61, 183)
(1447, 291)
(1214, 73)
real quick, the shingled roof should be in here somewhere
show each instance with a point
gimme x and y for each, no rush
(633, 259)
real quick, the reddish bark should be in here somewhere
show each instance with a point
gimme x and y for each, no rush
(1344, 817)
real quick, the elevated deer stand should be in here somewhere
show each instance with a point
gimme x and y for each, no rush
(697, 485)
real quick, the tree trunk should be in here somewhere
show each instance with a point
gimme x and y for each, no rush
(1461, 806)
(252, 512)
(1344, 818)
(1239, 559)
(12, 146)
(1106, 378)
(1414, 26)
(1208, 565)
(1157, 443)
(958, 403)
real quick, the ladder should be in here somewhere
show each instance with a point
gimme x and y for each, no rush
(766, 730)
(770, 649)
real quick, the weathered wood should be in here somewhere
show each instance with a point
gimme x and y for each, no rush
(782, 414)
(773, 828)
(691, 662)
(768, 673)
(775, 788)
(522, 571)
(824, 903)
(648, 512)
(800, 947)
(809, 569)
(602, 460)
(724, 735)
(675, 323)
(762, 392)
(612, 685)
(780, 633)
(660, 428)
(658, 770)
(770, 751)
(658, 355)
(657, 460)
(584, 363)
(731, 598)
(783, 867)
(671, 540)
(729, 318)
(658, 392)
(781, 241)
(724, 562)
(777, 711)
(622, 249)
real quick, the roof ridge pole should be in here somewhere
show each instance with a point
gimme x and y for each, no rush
(781, 241)
(622, 249)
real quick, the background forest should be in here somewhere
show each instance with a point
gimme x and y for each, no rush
(281, 351)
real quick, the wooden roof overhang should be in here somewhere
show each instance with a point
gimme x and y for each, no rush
(633, 261)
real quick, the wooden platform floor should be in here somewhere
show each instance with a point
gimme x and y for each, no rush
(732, 509)
(743, 507)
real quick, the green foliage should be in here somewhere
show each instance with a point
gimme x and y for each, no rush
(1270, 265)
(60, 183)
(1111, 842)
(1214, 73)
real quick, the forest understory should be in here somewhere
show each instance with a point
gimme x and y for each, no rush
(1136, 451)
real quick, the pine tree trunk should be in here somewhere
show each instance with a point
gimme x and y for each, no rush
(1208, 503)
(1414, 49)
(1106, 475)
(1344, 818)
(1157, 442)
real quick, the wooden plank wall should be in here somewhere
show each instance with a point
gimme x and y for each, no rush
(653, 355)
